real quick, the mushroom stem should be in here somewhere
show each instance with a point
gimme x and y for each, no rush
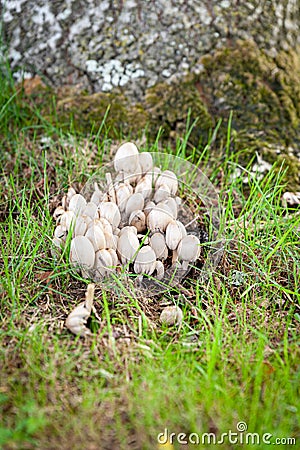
(110, 188)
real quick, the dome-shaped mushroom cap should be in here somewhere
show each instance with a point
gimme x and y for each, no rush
(82, 252)
(66, 219)
(171, 203)
(158, 244)
(96, 235)
(138, 220)
(146, 161)
(167, 178)
(145, 260)
(134, 202)
(159, 218)
(91, 210)
(80, 226)
(144, 186)
(173, 235)
(128, 245)
(110, 212)
(128, 229)
(103, 263)
(161, 193)
(126, 158)
(189, 248)
(77, 204)
(123, 192)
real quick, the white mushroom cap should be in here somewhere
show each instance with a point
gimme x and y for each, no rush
(123, 192)
(105, 225)
(127, 229)
(136, 201)
(77, 204)
(114, 257)
(80, 226)
(173, 235)
(189, 248)
(138, 220)
(159, 218)
(58, 212)
(96, 197)
(171, 203)
(160, 270)
(110, 212)
(145, 260)
(149, 206)
(158, 244)
(60, 233)
(128, 245)
(103, 263)
(171, 315)
(167, 178)
(182, 228)
(111, 240)
(144, 186)
(146, 161)
(71, 192)
(57, 247)
(82, 252)
(91, 210)
(96, 235)
(66, 219)
(127, 158)
(162, 193)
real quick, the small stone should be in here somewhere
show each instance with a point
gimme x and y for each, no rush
(171, 315)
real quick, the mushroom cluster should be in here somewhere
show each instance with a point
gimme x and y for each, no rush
(132, 225)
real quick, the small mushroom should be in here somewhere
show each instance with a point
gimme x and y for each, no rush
(66, 219)
(96, 235)
(171, 203)
(167, 178)
(58, 212)
(135, 202)
(110, 212)
(158, 244)
(91, 210)
(77, 319)
(126, 158)
(103, 264)
(145, 261)
(80, 226)
(138, 220)
(123, 192)
(173, 235)
(82, 252)
(162, 193)
(60, 233)
(146, 161)
(159, 218)
(57, 247)
(149, 206)
(114, 257)
(160, 270)
(77, 204)
(71, 192)
(188, 250)
(128, 245)
(171, 315)
(144, 186)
